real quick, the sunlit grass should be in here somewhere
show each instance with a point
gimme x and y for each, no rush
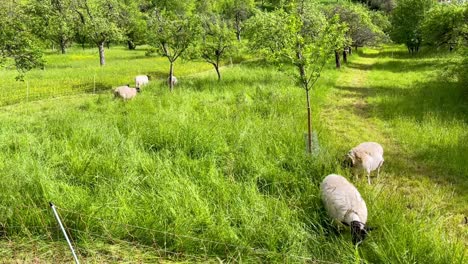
(216, 169)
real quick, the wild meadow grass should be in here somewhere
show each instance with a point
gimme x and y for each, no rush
(78, 71)
(219, 170)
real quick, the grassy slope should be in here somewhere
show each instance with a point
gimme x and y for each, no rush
(225, 163)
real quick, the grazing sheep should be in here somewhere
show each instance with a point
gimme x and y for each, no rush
(141, 80)
(367, 156)
(174, 80)
(344, 204)
(125, 92)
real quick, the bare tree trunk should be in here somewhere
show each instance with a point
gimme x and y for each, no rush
(63, 46)
(102, 59)
(171, 73)
(238, 28)
(345, 56)
(217, 71)
(131, 45)
(337, 59)
(309, 123)
(350, 51)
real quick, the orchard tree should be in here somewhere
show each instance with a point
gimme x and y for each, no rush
(406, 20)
(172, 34)
(132, 22)
(238, 11)
(361, 28)
(446, 25)
(17, 43)
(301, 37)
(99, 22)
(217, 41)
(55, 16)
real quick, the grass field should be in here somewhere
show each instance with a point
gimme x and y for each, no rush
(218, 171)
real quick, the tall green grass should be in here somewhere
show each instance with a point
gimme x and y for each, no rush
(212, 170)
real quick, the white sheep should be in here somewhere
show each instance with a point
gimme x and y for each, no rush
(367, 156)
(141, 80)
(125, 92)
(174, 80)
(344, 204)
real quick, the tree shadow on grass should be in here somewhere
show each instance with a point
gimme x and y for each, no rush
(398, 66)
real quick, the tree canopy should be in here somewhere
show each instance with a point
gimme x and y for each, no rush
(406, 20)
(18, 45)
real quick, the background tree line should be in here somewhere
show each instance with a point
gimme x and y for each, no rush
(209, 26)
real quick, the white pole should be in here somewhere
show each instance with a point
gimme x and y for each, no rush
(57, 217)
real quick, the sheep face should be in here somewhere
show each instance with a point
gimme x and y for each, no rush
(138, 89)
(348, 161)
(358, 232)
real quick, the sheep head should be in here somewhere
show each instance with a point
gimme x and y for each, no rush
(358, 232)
(349, 160)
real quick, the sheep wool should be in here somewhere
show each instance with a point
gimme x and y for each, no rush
(344, 204)
(174, 80)
(367, 156)
(125, 92)
(141, 80)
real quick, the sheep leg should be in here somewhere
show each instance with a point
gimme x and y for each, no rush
(368, 177)
(378, 168)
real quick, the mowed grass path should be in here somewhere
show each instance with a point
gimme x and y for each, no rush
(216, 169)
(421, 120)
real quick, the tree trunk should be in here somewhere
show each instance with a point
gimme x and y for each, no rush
(171, 73)
(309, 123)
(337, 59)
(345, 56)
(238, 28)
(63, 46)
(355, 48)
(350, 51)
(108, 44)
(216, 66)
(102, 59)
(238, 35)
(131, 45)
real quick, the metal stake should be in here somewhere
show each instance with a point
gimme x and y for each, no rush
(57, 217)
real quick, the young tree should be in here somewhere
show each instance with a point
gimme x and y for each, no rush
(172, 35)
(55, 16)
(99, 22)
(17, 43)
(217, 40)
(303, 38)
(406, 22)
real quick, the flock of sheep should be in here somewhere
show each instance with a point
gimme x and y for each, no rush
(126, 92)
(342, 200)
